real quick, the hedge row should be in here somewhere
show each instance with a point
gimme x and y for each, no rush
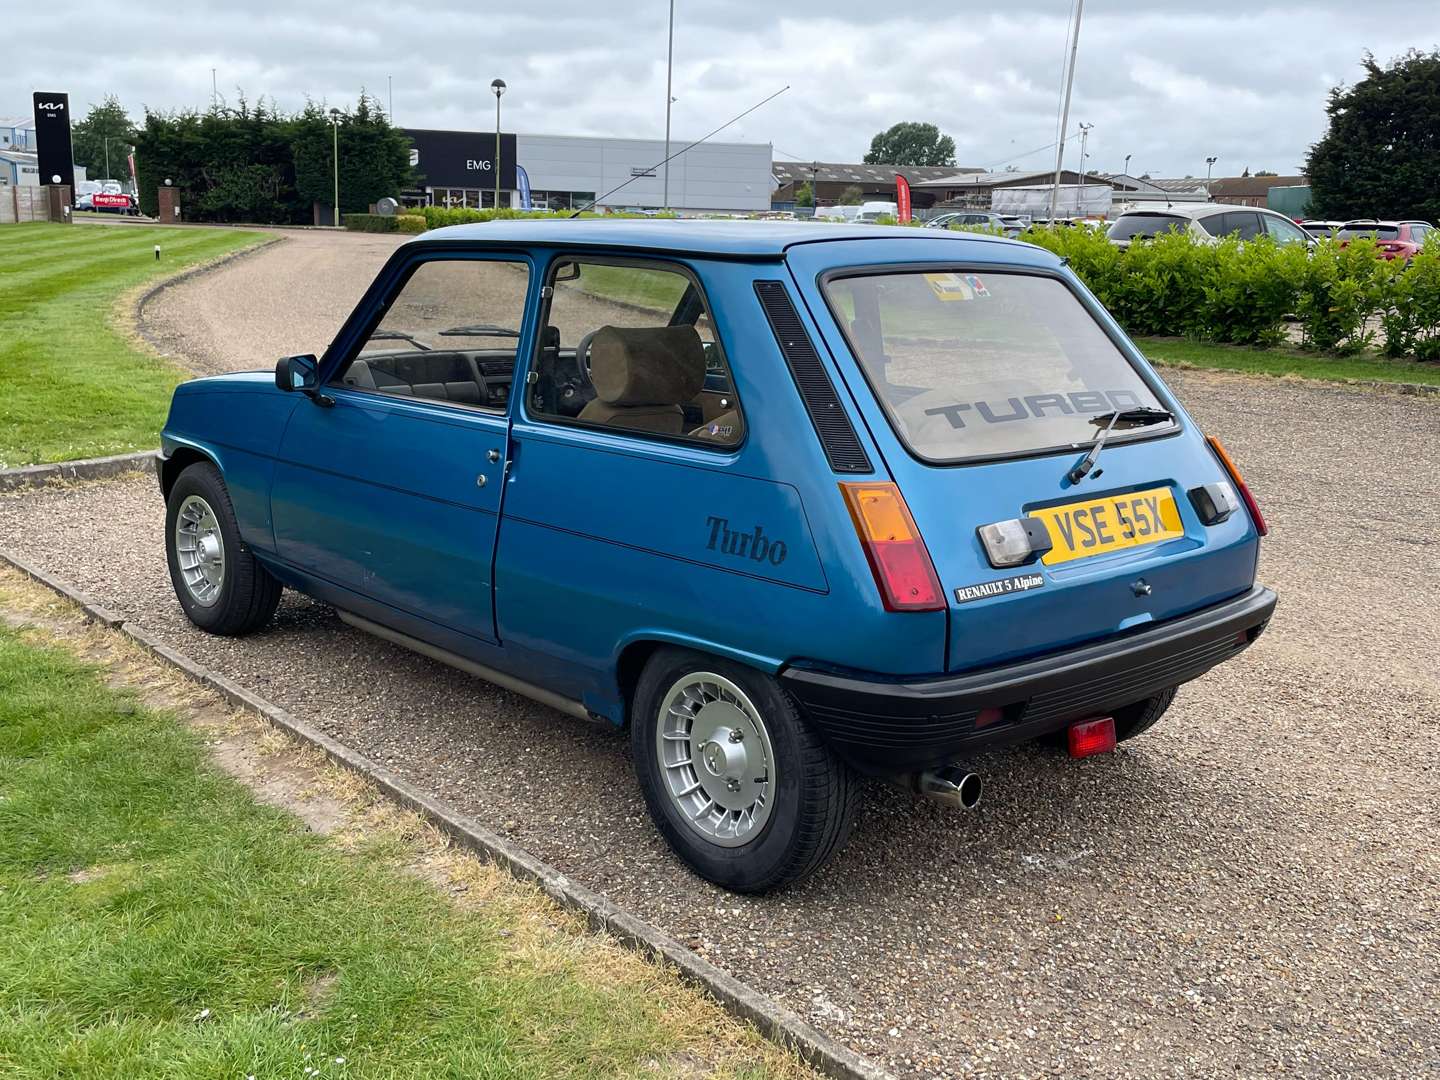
(1244, 293)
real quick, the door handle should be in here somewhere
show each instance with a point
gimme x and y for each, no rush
(492, 455)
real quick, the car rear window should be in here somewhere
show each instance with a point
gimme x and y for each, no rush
(1145, 226)
(1379, 232)
(978, 365)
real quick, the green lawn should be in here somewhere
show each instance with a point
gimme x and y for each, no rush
(1183, 353)
(71, 386)
(156, 921)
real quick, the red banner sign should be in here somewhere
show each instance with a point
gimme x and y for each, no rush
(902, 198)
(112, 202)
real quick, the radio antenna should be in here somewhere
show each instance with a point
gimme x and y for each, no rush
(682, 150)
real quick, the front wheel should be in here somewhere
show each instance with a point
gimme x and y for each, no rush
(218, 581)
(739, 787)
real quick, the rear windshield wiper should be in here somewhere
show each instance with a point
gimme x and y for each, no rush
(398, 335)
(1140, 417)
(479, 330)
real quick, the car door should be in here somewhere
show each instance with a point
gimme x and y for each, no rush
(392, 491)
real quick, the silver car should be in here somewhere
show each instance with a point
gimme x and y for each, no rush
(1207, 222)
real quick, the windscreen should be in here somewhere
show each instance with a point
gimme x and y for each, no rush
(985, 365)
(1379, 232)
(1146, 226)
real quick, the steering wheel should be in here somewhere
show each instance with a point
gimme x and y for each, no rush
(576, 390)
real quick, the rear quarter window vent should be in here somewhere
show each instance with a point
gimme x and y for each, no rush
(837, 435)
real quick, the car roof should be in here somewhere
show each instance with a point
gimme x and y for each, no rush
(1200, 210)
(732, 239)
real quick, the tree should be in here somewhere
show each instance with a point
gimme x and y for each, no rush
(374, 157)
(88, 137)
(1381, 153)
(852, 196)
(911, 143)
(805, 195)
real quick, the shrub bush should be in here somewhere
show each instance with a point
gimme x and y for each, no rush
(411, 223)
(1341, 289)
(369, 222)
(1412, 317)
(1249, 290)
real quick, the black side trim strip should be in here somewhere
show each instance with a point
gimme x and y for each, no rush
(837, 435)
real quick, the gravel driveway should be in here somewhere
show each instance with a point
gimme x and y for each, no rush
(1252, 889)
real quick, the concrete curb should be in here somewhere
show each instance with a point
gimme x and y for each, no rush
(1408, 389)
(137, 310)
(776, 1023)
(81, 469)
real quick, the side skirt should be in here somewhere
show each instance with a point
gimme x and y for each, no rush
(499, 678)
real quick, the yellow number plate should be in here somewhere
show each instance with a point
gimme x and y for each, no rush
(1081, 529)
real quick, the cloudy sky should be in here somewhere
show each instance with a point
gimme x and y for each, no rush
(1167, 81)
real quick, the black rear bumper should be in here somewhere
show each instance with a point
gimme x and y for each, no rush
(884, 724)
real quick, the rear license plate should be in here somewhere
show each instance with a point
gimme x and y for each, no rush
(1081, 529)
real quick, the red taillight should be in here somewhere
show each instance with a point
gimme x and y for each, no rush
(1092, 737)
(892, 543)
(1239, 482)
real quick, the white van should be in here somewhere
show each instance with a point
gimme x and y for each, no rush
(874, 211)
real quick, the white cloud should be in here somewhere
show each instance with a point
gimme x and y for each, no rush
(1167, 82)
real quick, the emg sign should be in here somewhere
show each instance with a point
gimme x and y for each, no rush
(463, 159)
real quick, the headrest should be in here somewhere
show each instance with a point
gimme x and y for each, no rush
(660, 365)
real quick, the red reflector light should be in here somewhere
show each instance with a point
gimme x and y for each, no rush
(898, 559)
(1090, 737)
(1245, 496)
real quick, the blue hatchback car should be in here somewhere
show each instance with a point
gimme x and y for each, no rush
(793, 502)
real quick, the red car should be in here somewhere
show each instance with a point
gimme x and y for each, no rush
(1395, 239)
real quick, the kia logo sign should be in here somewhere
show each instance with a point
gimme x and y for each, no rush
(478, 166)
(51, 106)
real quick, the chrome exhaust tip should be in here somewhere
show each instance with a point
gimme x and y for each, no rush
(953, 784)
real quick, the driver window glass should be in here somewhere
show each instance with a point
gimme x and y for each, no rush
(1284, 232)
(449, 334)
(632, 347)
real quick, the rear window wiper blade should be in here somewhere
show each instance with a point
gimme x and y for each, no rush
(480, 330)
(1141, 417)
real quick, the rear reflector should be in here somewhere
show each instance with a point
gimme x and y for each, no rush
(898, 559)
(1249, 499)
(1092, 737)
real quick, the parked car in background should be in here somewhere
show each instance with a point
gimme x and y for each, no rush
(976, 219)
(1393, 239)
(834, 500)
(1319, 229)
(1208, 223)
(871, 212)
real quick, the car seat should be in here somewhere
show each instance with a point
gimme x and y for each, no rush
(642, 377)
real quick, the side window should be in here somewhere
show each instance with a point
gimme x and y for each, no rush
(1218, 225)
(1284, 232)
(1245, 225)
(449, 335)
(631, 346)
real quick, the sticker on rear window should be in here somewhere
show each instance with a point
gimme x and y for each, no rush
(949, 287)
(1004, 587)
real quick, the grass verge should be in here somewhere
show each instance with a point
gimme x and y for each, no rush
(73, 386)
(1179, 352)
(159, 921)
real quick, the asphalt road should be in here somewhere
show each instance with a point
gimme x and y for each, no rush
(1251, 889)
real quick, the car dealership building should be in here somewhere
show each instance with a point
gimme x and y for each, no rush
(459, 168)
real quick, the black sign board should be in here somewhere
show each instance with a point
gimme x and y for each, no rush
(52, 136)
(463, 159)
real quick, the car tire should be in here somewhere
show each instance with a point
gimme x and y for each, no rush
(217, 579)
(809, 796)
(1136, 719)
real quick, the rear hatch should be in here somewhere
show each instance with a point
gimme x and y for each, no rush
(986, 388)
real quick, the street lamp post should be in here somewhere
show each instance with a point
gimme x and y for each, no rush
(1127, 163)
(498, 86)
(1084, 139)
(1209, 166)
(669, 70)
(335, 151)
